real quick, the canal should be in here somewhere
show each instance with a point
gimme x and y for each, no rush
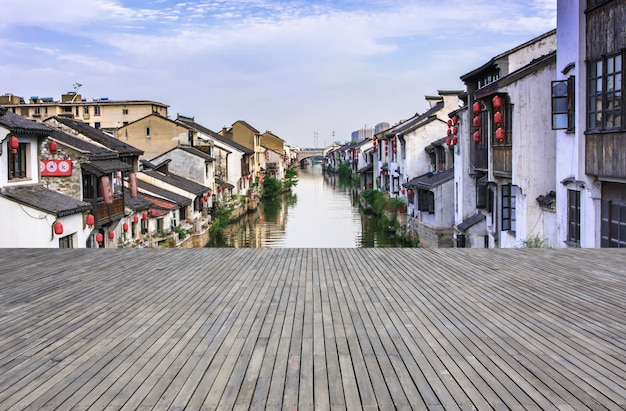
(321, 212)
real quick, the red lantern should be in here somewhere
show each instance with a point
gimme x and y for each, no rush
(455, 130)
(90, 220)
(111, 235)
(497, 103)
(500, 134)
(449, 132)
(201, 200)
(455, 140)
(477, 108)
(14, 144)
(498, 117)
(58, 228)
(410, 192)
(153, 213)
(136, 219)
(99, 238)
(144, 215)
(477, 137)
(455, 120)
(402, 191)
(52, 146)
(448, 141)
(381, 172)
(450, 123)
(477, 122)
(125, 227)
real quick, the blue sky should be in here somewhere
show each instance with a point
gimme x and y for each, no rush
(294, 67)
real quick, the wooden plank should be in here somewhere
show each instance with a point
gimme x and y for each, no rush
(313, 328)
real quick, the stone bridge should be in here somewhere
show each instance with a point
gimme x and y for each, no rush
(304, 154)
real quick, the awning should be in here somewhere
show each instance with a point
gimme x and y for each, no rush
(104, 167)
(223, 183)
(430, 180)
(365, 169)
(472, 221)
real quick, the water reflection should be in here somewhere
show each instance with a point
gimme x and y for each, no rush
(321, 212)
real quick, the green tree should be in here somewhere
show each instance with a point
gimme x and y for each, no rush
(291, 178)
(272, 187)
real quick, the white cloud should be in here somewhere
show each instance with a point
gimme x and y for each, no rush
(292, 66)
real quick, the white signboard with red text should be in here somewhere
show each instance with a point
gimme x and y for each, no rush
(55, 168)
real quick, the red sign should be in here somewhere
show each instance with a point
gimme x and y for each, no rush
(55, 168)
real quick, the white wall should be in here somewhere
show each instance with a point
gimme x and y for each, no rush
(534, 152)
(570, 157)
(31, 228)
(33, 160)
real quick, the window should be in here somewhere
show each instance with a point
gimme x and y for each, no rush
(508, 208)
(613, 216)
(563, 107)
(440, 155)
(426, 201)
(86, 110)
(118, 183)
(573, 217)
(147, 131)
(37, 112)
(18, 164)
(66, 242)
(124, 111)
(97, 124)
(96, 110)
(604, 103)
(77, 111)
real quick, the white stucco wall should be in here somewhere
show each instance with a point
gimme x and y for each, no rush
(521, 57)
(31, 228)
(534, 153)
(32, 173)
(570, 156)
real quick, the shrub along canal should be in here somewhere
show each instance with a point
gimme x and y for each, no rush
(322, 211)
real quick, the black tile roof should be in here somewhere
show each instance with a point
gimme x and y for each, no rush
(368, 167)
(168, 195)
(21, 125)
(99, 136)
(178, 181)
(95, 151)
(44, 199)
(223, 183)
(195, 151)
(471, 221)
(104, 167)
(430, 180)
(191, 123)
(135, 203)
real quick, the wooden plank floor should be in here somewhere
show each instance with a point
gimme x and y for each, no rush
(312, 329)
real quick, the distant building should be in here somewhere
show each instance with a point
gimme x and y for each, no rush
(100, 113)
(362, 134)
(381, 127)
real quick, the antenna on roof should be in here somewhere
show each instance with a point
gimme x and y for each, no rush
(76, 87)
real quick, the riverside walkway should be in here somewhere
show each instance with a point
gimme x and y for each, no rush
(326, 329)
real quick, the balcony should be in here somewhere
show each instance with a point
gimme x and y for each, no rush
(106, 213)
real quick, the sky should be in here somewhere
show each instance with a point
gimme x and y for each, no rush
(309, 71)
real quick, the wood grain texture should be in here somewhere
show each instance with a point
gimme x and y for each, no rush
(313, 329)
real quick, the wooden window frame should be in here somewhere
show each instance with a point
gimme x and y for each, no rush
(605, 93)
(573, 217)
